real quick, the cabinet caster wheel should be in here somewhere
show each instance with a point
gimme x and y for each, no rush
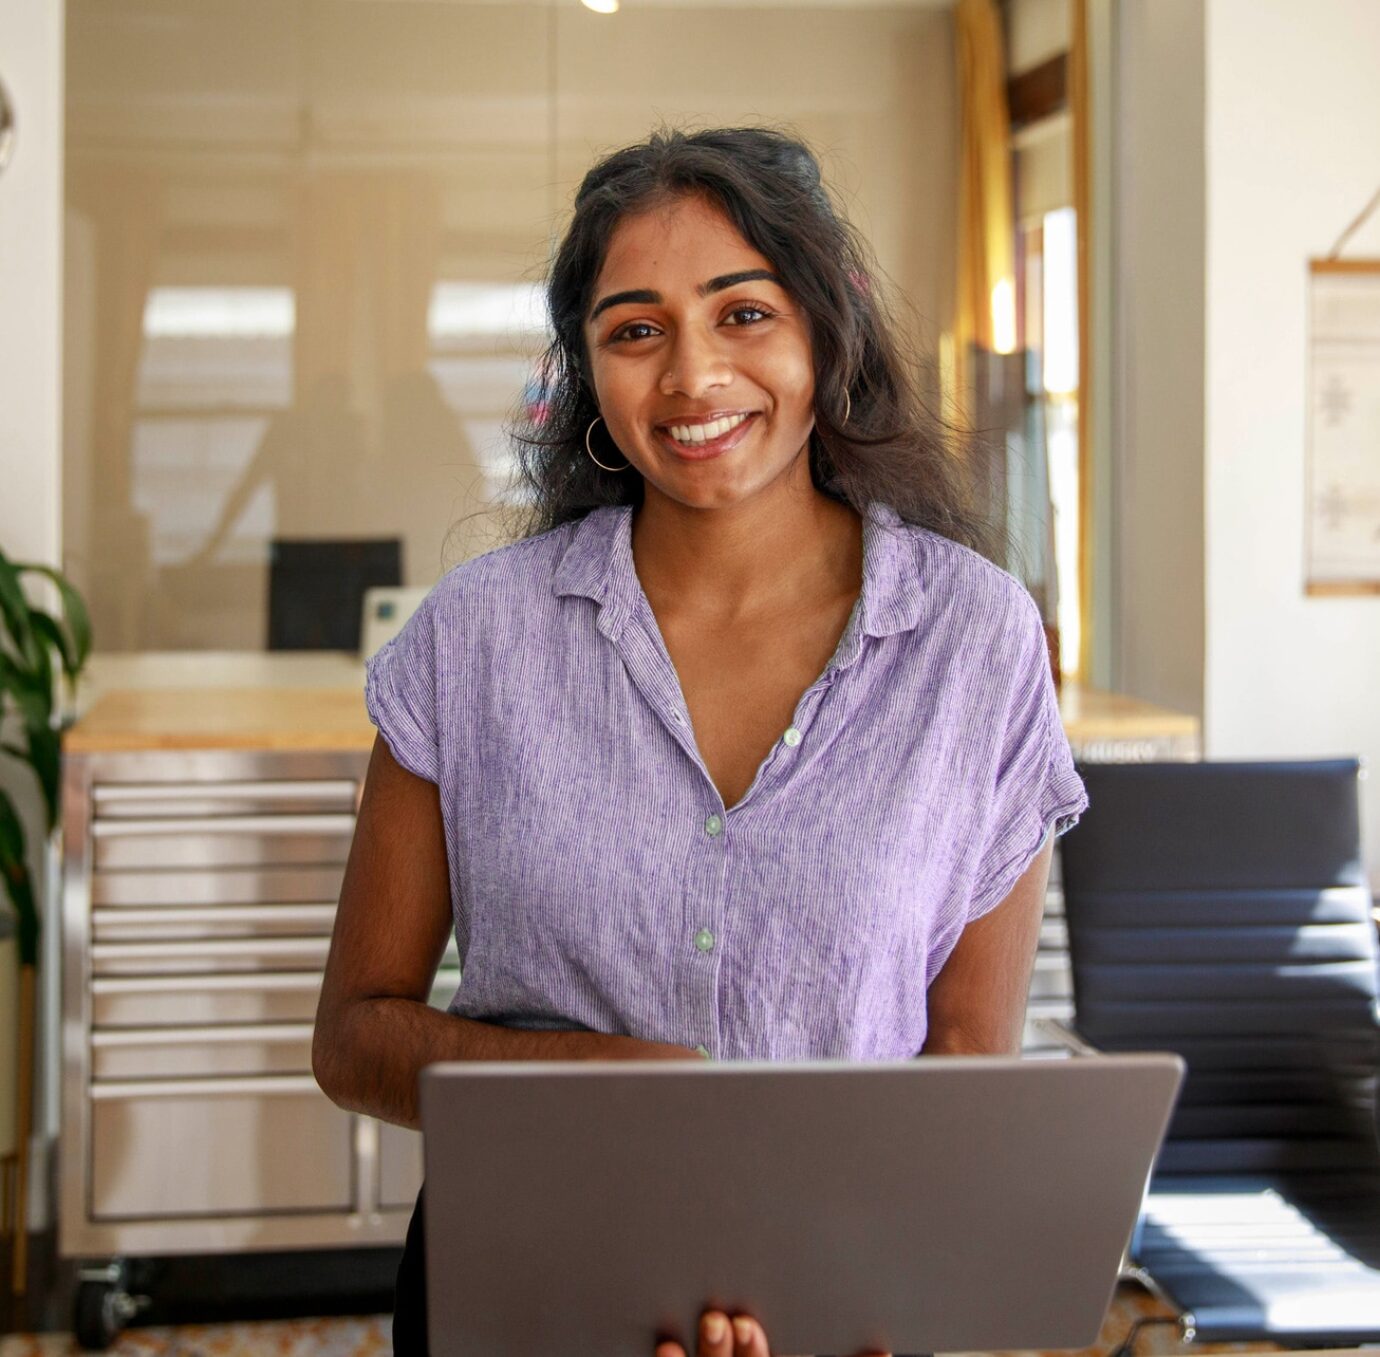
(103, 1307)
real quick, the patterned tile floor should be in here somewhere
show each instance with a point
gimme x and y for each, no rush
(366, 1337)
(369, 1336)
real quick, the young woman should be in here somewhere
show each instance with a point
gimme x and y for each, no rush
(743, 750)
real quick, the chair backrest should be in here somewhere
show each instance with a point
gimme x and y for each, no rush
(316, 589)
(1221, 910)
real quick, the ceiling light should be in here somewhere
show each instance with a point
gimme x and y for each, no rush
(601, 6)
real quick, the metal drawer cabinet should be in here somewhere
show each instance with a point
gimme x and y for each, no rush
(187, 1148)
(198, 897)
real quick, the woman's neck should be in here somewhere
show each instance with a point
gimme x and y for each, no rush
(779, 552)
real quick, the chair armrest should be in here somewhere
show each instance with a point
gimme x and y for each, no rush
(1064, 1035)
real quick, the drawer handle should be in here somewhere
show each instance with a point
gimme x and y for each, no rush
(115, 1090)
(182, 984)
(132, 793)
(107, 1039)
(303, 915)
(225, 824)
(210, 947)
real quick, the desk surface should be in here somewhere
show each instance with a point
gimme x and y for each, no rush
(275, 701)
(221, 700)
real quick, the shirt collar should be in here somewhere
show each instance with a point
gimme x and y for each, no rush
(597, 563)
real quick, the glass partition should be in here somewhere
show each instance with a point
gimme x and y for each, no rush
(305, 244)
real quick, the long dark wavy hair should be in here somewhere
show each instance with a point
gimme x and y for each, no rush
(891, 448)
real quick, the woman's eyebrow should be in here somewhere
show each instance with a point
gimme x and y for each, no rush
(648, 297)
(642, 295)
(733, 279)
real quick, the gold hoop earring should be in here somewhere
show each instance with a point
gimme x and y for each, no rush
(847, 407)
(590, 450)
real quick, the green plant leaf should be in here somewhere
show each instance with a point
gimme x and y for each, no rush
(48, 629)
(14, 873)
(29, 637)
(14, 608)
(78, 619)
(31, 694)
(43, 674)
(45, 756)
(8, 680)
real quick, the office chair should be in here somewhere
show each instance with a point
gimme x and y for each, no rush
(1221, 910)
(316, 589)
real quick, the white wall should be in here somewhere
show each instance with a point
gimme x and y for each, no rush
(30, 271)
(1293, 109)
(30, 400)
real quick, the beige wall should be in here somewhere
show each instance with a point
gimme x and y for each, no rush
(30, 264)
(355, 155)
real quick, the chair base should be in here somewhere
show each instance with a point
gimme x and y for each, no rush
(1260, 1258)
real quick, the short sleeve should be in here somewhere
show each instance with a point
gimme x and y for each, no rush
(400, 692)
(1036, 790)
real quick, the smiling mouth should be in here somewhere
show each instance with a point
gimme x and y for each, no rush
(698, 434)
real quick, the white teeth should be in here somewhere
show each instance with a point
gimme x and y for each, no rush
(702, 433)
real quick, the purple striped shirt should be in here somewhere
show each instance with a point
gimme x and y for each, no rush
(597, 880)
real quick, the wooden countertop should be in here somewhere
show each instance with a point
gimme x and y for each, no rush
(1094, 714)
(220, 700)
(232, 700)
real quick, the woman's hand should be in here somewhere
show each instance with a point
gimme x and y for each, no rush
(724, 1336)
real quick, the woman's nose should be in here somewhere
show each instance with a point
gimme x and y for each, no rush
(694, 366)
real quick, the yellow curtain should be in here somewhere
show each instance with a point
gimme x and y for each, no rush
(985, 310)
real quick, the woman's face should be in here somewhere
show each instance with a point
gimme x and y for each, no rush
(701, 361)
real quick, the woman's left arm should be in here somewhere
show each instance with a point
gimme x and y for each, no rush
(977, 1002)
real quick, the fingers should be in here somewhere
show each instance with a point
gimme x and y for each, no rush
(749, 1339)
(743, 1336)
(720, 1336)
(716, 1335)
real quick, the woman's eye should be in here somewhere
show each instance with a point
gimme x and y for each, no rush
(627, 332)
(760, 311)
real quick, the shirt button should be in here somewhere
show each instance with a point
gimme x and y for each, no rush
(792, 737)
(704, 940)
(704, 1051)
(714, 826)
(677, 718)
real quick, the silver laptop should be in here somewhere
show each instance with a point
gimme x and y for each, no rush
(936, 1205)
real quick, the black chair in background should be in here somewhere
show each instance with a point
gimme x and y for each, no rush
(1221, 910)
(316, 589)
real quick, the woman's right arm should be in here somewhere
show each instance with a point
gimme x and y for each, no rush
(375, 1030)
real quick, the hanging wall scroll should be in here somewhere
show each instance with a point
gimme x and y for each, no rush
(1342, 531)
